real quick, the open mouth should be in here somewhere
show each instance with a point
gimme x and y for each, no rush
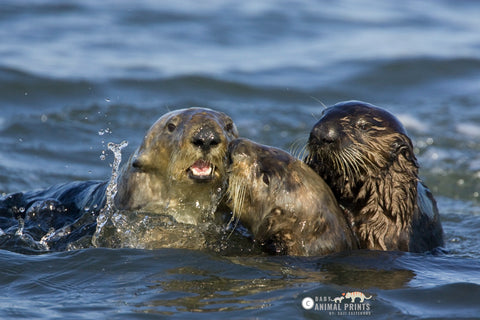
(201, 170)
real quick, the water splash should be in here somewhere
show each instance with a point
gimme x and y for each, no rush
(21, 226)
(106, 213)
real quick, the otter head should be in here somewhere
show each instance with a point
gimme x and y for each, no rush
(359, 148)
(288, 208)
(259, 179)
(180, 165)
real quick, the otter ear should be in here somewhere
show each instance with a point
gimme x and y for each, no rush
(231, 128)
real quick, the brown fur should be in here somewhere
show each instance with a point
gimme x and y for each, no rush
(159, 178)
(366, 157)
(287, 207)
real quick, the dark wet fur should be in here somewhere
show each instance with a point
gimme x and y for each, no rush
(366, 157)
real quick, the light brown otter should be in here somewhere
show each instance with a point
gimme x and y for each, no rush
(365, 156)
(179, 169)
(287, 207)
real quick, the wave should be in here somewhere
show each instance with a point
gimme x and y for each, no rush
(411, 78)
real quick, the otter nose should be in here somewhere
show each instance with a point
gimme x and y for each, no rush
(206, 138)
(325, 133)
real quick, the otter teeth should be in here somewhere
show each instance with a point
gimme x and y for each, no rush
(201, 169)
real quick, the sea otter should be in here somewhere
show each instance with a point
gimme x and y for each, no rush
(176, 176)
(364, 154)
(286, 206)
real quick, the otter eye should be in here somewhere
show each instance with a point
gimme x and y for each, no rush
(265, 178)
(171, 127)
(364, 125)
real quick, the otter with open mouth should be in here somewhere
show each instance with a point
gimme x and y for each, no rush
(179, 169)
(365, 156)
(170, 185)
(286, 206)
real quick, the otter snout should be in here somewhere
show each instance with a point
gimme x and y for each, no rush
(206, 138)
(325, 133)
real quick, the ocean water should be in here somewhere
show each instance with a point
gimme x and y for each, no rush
(77, 75)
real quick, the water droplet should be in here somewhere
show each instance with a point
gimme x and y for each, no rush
(44, 118)
(101, 132)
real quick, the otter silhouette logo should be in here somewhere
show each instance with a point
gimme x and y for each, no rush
(307, 303)
(355, 295)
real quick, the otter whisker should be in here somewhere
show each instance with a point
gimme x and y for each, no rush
(236, 194)
(298, 147)
(319, 101)
(353, 158)
(303, 152)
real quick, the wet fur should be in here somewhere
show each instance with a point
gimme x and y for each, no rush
(156, 179)
(287, 207)
(366, 157)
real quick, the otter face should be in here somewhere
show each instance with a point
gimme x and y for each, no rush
(354, 141)
(187, 146)
(353, 122)
(259, 180)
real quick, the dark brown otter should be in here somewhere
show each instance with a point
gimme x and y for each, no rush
(179, 169)
(365, 156)
(288, 208)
